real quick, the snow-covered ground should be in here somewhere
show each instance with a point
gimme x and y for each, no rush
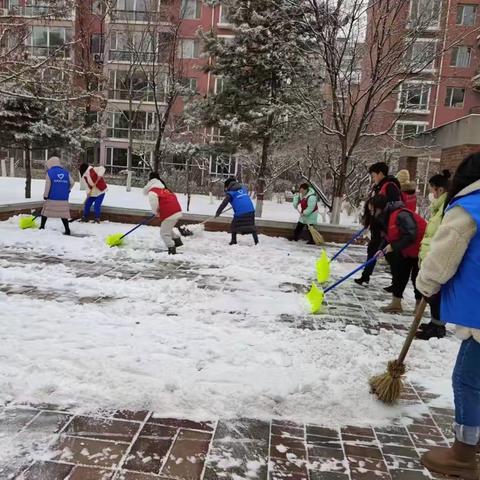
(12, 190)
(201, 335)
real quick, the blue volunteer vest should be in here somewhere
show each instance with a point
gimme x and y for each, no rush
(60, 183)
(460, 295)
(241, 202)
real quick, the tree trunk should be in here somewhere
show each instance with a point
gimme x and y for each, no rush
(338, 192)
(28, 173)
(130, 146)
(189, 193)
(261, 183)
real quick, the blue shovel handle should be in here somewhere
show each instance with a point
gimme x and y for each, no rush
(346, 277)
(355, 236)
(147, 220)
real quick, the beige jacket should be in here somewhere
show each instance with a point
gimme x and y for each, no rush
(54, 162)
(447, 249)
(93, 192)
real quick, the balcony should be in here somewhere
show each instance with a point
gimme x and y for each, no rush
(135, 16)
(143, 95)
(476, 82)
(130, 56)
(37, 11)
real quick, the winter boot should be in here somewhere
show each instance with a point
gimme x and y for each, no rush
(233, 241)
(172, 251)
(457, 461)
(84, 220)
(431, 330)
(97, 220)
(178, 242)
(361, 281)
(395, 306)
(389, 289)
(255, 237)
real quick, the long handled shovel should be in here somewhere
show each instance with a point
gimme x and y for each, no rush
(315, 295)
(388, 387)
(323, 263)
(116, 239)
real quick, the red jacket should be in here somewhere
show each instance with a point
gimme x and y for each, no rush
(394, 234)
(410, 201)
(168, 204)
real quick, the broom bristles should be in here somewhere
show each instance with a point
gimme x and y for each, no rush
(316, 235)
(388, 387)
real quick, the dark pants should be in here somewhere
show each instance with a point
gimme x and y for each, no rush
(43, 222)
(298, 232)
(403, 269)
(374, 245)
(234, 238)
(97, 202)
(435, 303)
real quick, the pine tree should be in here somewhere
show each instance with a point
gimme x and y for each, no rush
(258, 70)
(27, 123)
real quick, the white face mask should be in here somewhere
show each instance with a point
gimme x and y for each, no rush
(431, 197)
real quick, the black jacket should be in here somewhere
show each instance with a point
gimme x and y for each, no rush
(393, 191)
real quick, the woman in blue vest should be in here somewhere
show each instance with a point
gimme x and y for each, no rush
(243, 210)
(58, 184)
(452, 267)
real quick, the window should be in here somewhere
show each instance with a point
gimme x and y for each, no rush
(223, 165)
(117, 160)
(123, 83)
(461, 57)
(219, 85)
(98, 7)
(189, 48)
(39, 156)
(455, 97)
(143, 125)
(225, 15)
(131, 47)
(97, 44)
(404, 130)
(189, 84)
(466, 15)
(191, 9)
(134, 10)
(48, 41)
(38, 8)
(425, 14)
(415, 97)
(422, 55)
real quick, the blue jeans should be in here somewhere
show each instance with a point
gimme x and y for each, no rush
(466, 389)
(97, 208)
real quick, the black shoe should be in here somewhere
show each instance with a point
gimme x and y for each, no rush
(67, 232)
(431, 331)
(389, 289)
(172, 251)
(360, 281)
(84, 220)
(232, 243)
(178, 242)
(96, 220)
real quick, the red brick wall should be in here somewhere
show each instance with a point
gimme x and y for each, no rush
(451, 157)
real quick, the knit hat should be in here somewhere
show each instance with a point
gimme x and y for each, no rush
(403, 176)
(229, 181)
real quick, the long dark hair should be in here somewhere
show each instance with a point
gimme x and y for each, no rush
(468, 172)
(441, 180)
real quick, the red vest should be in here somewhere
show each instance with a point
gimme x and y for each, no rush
(167, 202)
(410, 201)
(383, 190)
(393, 233)
(304, 204)
(93, 180)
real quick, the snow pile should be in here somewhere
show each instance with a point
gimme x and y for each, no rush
(12, 190)
(203, 337)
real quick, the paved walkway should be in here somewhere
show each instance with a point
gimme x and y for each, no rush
(146, 446)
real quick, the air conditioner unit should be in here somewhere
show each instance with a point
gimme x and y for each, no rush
(98, 57)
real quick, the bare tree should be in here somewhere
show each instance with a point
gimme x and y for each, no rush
(366, 51)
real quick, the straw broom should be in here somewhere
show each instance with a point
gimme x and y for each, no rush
(316, 235)
(389, 386)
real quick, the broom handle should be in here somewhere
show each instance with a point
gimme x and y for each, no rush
(355, 236)
(147, 220)
(214, 217)
(413, 330)
(353, 272)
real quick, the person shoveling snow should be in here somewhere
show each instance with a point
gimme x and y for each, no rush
(165, 205)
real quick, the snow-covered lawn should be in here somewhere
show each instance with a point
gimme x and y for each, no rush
(12, 190)
(202, 335)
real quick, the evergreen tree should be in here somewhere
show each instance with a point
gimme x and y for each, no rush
(255, 109)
